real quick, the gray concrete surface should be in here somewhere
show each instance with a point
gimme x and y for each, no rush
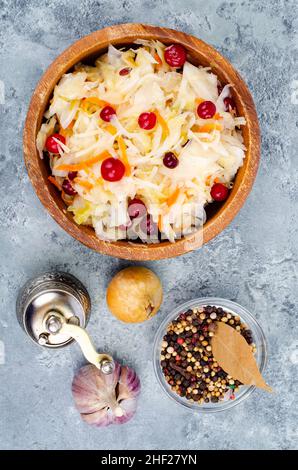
(254, 261)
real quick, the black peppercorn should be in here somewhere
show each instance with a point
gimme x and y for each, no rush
(214, 399)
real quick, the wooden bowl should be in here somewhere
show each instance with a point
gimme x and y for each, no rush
(199, 53)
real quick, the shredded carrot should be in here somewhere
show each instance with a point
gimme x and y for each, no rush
(217, 117)
(124, 158)
(158, 60)
(54, 182)
(162, 122)
(70, 125)
(99, 181)
(94, 100)
(199, 101)
(173, 198)
(211, 127)
(160, 223)
(83, 183)
(216, 180)
(67, 131)
(83, 165)
(208, 180)
(214, 126)
(111, 129)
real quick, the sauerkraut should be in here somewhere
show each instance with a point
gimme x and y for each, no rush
(134, 81)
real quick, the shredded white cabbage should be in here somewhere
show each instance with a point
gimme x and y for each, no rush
(208, 150)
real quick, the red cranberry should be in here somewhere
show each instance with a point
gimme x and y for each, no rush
(175, 55)
(136, 208)
(112, 169)
(51, 145)
(107, 113)
(148, 226)
(170, 160)
(180, 340)
(229, 103)
(219, 192)
(178, 358)
(147, 121)
(125, 71)
(72, 175)
(68, 188)
(206, 110)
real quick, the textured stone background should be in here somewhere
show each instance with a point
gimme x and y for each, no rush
(254, 261)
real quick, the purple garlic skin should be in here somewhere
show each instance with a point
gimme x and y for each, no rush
(106, 399)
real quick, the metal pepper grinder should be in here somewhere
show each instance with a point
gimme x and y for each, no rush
(54, 309)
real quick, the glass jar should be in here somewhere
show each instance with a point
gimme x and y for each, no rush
(260, 355)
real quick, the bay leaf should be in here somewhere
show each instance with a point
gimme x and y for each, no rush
(234, 355)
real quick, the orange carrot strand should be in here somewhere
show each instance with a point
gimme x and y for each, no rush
(173, 198)
(84, 183)
(209, 127)
(199, 101)
(85, 164)
(111, 129)
(163, 124)
(124, 158)
(158, 60)
(160, 223)
(217, 117)
(94, 100)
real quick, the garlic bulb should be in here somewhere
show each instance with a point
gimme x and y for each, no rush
(106, 399)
